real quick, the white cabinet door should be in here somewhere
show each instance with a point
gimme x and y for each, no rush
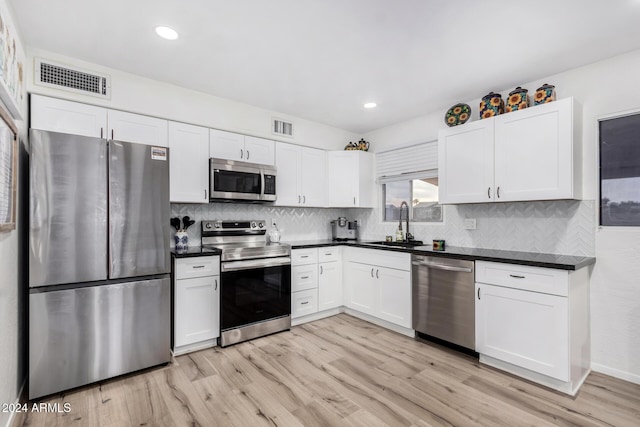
(394, 296)
(465, 163)
(188, 165)
(288, 180)
(136, 128)
(312, 177)
(343, 176)
(329, 285)
(57, 115)
(226, 145)
(361, 288)
(259, 150)
(197, 315)
(526, 329)
(534, 153)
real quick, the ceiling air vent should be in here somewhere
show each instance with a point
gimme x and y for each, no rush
(58, 76)
(282, 128)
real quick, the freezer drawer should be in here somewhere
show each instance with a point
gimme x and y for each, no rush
(83, 335)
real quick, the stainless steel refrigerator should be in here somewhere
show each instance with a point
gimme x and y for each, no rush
(99, 264)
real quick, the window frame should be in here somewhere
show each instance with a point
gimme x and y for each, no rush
(598, 164)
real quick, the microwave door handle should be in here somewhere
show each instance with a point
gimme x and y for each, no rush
(261, 184)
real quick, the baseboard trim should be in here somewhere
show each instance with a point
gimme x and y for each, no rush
(617, 373)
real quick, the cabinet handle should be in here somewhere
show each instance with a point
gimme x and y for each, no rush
(304, 256)
(304, 200)
(372, 272)
(328, 253)
(304, 277)
(205, 194)
(478, 293)
(241, 153)
(489, 192)
(247, 154)
(303, 303)
(101, 132)
(216, 285)
(112, 137)
(517, 277)
(354, 201)
(321, 270)
(198, 266)
(498, 192)
(298, 199)
(377, 271)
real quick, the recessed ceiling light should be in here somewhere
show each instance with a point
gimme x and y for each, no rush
(167, 33)
(370, 105)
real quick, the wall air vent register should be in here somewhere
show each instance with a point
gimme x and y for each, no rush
(282, 128)
(63, 77)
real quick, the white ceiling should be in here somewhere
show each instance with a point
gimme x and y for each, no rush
(322, 59)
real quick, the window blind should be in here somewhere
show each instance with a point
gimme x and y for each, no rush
(413, 162)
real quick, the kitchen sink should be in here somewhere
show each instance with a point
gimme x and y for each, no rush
(409, 244)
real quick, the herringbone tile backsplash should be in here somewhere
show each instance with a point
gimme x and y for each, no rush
(560, 227)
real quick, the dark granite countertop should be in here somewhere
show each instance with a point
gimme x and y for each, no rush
(560, 262)
(192, 251)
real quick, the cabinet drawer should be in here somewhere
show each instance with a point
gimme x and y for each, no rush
(304, 256)
(304, 277)
(329, 254)
(536, 279)
(304, 302)
(187, 268)
(379, 258)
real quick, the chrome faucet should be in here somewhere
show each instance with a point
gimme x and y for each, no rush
(408, 236)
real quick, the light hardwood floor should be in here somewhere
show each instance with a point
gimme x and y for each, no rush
(339, 371)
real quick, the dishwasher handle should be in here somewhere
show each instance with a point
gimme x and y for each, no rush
(443, 267)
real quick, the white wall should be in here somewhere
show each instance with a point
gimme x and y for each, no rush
(12, 363)
(140, 95)
(602, 88)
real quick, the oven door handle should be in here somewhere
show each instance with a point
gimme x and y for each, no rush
(252, 264)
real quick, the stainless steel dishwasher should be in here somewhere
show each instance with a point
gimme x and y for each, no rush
(444, 299)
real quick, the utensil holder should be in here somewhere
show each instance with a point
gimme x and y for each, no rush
(182, 240)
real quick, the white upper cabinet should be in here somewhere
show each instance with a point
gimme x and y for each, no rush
(351, 181)
(189, 168)
(130, 127)
(535, 154)
(259, 150)
(465, 163)
(301, 176)
(525, 155)
(58, 115)
(234, 146)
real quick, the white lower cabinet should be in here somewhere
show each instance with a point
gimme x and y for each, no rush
(316, 282)
(534, 322)
(378, 283)
(196, 303)
(329, 284)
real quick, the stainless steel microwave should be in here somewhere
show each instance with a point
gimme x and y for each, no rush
(230, 180)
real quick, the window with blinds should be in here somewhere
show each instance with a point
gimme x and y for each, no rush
(410, 174)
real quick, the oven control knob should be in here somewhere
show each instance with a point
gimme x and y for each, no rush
(207, 226)
(261, 224)
(253, 224)
(216, 225)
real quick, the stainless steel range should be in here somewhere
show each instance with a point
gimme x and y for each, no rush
(255, 282)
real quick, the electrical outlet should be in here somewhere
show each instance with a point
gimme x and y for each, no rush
(273, 222)
(470, 224)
